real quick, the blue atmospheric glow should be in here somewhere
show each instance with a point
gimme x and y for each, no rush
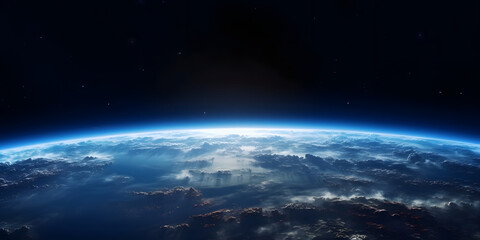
(151, 127)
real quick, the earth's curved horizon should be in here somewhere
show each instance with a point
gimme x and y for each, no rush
(133, 132)
(242, 183)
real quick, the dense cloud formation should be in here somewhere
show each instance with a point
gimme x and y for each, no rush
(43, 173)
(266, 184)
(164, 206)
(406, 181)
(171, 199)
(21, 233)
(324, 219)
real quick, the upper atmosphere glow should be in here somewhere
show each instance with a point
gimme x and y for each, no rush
(230, 128)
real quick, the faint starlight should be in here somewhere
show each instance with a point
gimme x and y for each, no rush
(420, 35)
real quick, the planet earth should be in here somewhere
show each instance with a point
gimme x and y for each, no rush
(242, 184)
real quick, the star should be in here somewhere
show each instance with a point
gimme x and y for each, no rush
(420, 35)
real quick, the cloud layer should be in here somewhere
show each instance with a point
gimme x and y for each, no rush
(278, 184)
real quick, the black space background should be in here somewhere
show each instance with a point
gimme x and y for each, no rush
(73, 65)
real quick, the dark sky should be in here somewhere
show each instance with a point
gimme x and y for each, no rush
(73, 65)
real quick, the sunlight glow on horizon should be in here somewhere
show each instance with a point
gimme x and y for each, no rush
(217, 132)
